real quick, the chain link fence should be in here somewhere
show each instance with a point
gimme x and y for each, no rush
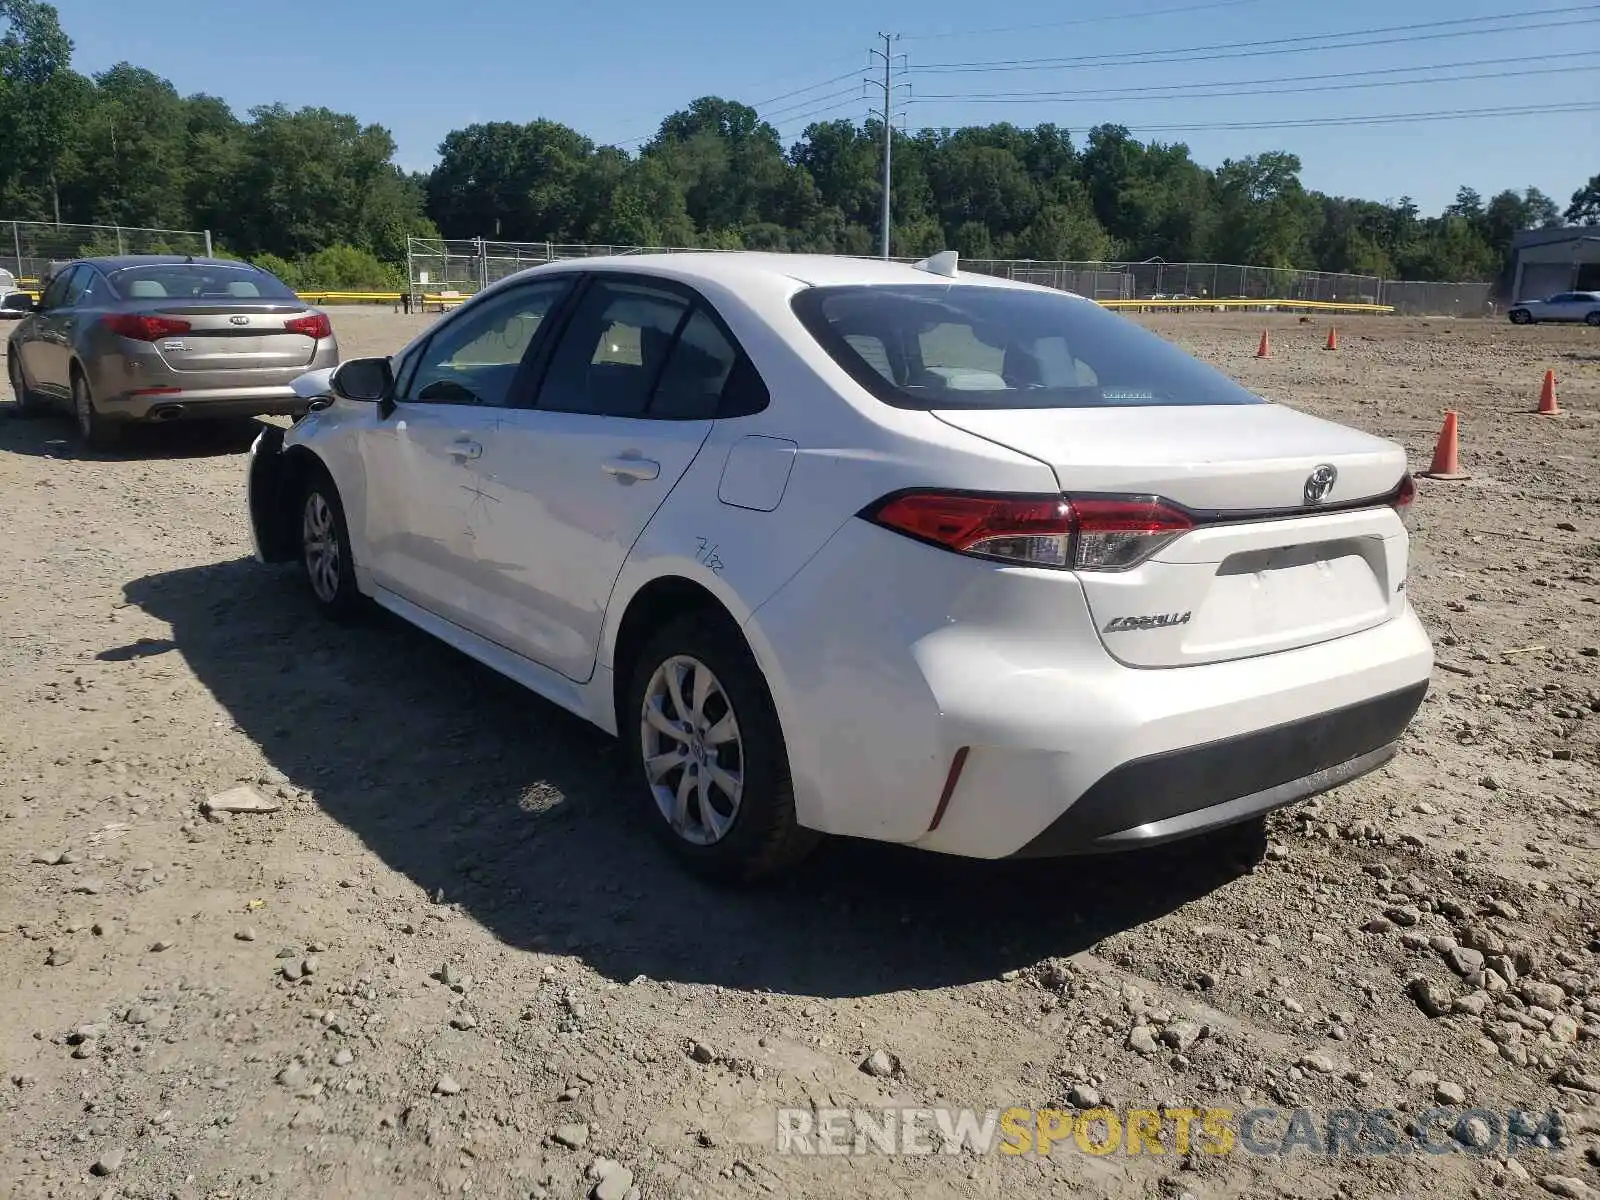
(447, 267)
(1419, 298)
(1158, 281)
(27, 248)
(461, 267)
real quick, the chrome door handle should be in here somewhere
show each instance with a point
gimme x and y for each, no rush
(464, 449)
(626, 470)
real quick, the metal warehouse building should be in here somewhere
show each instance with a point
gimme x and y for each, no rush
(1547, 261)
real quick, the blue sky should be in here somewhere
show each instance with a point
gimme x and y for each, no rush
(612, 70)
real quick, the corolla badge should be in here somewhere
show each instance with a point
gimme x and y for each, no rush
(1319, 484)
(1153, 621)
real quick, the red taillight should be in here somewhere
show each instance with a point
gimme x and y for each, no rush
(1403, 497)
(1086, 533)
(1034, 530)
(1117, 532)
(143, 328)
(316, 326)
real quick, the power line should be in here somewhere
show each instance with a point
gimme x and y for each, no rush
(1253, 49)
(1133, 16)
(1197, 91)
(1379, 119)
(802, 91)
(800, 120)
(1229, 83)
(854, 93)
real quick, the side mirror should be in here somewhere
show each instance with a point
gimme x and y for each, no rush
(19, 302)
(366, 379)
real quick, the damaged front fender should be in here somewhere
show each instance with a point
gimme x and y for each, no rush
(271, 512)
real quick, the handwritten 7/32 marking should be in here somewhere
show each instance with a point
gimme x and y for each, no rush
(706, 555)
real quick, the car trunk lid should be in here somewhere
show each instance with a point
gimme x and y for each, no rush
(235, 337)
(1278, 555)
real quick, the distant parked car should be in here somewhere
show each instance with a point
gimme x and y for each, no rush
(1566, 306)
(161, 338)
(8, 288)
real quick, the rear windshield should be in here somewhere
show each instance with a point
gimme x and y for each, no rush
(931, 346)
(197, 281)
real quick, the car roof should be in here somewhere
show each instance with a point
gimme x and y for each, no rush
(733, 267)
(119, 262)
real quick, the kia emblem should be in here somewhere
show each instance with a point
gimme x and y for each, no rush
(240, 320)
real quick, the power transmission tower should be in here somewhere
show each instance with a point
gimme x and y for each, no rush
(887, 113)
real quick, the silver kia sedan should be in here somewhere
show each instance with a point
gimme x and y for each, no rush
(163, 338)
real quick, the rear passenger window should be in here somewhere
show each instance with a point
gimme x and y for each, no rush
(614, 351)
(696, 372)
(76, 286)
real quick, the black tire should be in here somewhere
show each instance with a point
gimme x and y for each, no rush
(764, 837)
(332, 586)
(1593, 319)
(96, 432)
(1521, 316)
(27, 402)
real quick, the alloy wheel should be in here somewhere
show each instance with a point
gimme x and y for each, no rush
(692, 749)
(319, 537)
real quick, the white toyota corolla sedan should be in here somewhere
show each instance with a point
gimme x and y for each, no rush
(841, 546)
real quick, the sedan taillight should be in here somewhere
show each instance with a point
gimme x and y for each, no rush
(316, 326)
(1404, 496)
(1114, 533)
(142, 327)
(1034, 530)
(1085, 533)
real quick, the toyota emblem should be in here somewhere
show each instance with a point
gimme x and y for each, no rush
(1319, 484)
(240, 320)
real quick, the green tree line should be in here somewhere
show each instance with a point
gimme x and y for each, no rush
(316, 194)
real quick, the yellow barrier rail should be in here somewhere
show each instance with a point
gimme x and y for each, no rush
(440, 300)
(350, 297)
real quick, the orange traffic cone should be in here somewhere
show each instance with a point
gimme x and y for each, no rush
(1446, 455)
(1265, 349)
(1333, 339)
(1547, 397)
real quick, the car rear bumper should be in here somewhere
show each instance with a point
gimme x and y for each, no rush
(204, 403)
(972, 710)
(131, 381)
(1180, 793)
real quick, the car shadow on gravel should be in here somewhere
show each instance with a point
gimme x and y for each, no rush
(519, 813)
(53, 435)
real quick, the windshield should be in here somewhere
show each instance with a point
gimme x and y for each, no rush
(197, 281)
(929, 346)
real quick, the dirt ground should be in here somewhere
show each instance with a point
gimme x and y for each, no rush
(453, 962)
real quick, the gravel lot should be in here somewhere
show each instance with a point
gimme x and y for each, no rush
(450, 961)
